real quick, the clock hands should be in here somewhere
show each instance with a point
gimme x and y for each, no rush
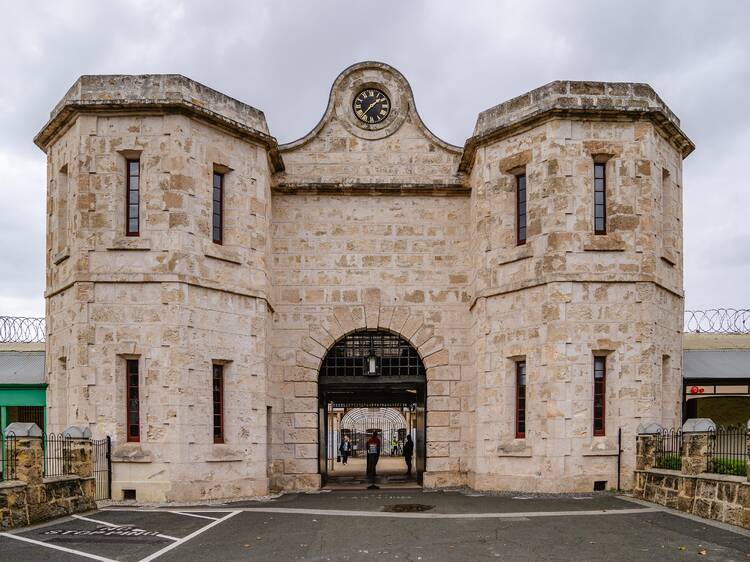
(372, 105)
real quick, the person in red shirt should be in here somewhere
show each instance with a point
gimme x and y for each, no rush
(373, 455)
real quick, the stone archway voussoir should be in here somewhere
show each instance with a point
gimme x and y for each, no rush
(312, 347)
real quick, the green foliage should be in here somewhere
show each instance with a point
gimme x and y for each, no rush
(669, 461)
(735, 467)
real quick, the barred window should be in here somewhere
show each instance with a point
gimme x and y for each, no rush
(133, 405)
(600, 199)
(600, 388)
(132, 210)
(218, 208)
(218, 401)
(520, 399)
(521, 209)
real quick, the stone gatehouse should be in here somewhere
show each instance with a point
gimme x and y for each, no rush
(200, 276)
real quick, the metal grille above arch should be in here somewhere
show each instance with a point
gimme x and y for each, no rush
(372, 354)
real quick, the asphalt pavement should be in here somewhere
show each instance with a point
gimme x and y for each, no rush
(384, 525)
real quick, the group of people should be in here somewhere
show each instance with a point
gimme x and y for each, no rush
(373, 453)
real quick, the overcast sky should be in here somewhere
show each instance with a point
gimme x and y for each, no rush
(460, 57)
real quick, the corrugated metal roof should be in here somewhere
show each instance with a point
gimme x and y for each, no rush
(19, 367)
(716, 364)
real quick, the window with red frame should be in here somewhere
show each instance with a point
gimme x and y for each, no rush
(520, 399)
(218, 399)
(521, 209)
(600, 199)
(133, 404)
(600, 389)
(218, 208)
(133, 207)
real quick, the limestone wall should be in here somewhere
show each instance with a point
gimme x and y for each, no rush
(170, 297)
(567, 294)
(357, 226)
(346, 262)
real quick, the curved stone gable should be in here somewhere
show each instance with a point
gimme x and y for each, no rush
(401, 150)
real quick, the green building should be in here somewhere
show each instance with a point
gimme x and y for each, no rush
(22, 387)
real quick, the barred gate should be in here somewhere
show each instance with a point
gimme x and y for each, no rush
(101, 458)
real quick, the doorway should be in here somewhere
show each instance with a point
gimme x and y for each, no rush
(371, 383)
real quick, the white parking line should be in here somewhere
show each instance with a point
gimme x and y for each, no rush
(192, 535)
(193, 515)
(98, 522)
(55, 547)
(95, 521)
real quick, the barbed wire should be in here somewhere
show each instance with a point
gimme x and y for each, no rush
(718, 321)
(20, 329)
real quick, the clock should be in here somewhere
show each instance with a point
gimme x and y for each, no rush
(371, 106)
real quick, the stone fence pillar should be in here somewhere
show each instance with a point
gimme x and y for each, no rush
(29, 453)
(645, 447)
(80, 462)
(695, 445)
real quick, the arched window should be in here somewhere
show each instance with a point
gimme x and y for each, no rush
(372, 353)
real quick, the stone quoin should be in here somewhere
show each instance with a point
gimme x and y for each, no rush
(483, 257)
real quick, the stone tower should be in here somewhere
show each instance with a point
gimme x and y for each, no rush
(362, 226)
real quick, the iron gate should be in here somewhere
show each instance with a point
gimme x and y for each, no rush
(101, 455)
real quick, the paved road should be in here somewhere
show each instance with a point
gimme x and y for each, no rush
(371, 526)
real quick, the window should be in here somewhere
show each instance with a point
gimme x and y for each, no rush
(520, 399)
(600, 199)
(218, 208)
(600, 389)
(63, 192)
(521, 209)
(132, 211)
(218, 399)
(133, 421)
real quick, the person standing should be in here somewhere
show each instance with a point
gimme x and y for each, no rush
(344, 449)
(408, 453)
(394, 446)
(373, 454)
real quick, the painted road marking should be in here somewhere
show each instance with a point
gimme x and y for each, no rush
(95, 521)
(131, 528)
(192, 535)
(351, 513)
(56, 547)
(193, 515)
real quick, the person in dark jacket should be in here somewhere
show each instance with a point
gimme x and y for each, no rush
(408, 453)
(345, 448)
(373, 455)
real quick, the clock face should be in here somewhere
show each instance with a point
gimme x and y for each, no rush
(371, 106)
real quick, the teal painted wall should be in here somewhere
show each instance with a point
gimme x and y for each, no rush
(21, 395)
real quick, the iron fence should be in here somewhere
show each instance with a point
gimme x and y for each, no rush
(727, 451)
(7, 456)
(101, 458)
(21, 329)
(669, 449)
(57, 454)
(718, 321)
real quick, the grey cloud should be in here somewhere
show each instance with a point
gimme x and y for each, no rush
(461, 57)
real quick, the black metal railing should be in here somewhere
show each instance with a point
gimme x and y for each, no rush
(21, 329)
(718, 321)
(101, 458)
(669, 449)
(7, 456)
(57, 454)
(727, 451)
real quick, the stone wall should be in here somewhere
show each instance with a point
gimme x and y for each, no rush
(691, 489)
(169, 298)
(361, 226)
(31, 497)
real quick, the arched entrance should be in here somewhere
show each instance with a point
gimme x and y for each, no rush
(378, 378)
